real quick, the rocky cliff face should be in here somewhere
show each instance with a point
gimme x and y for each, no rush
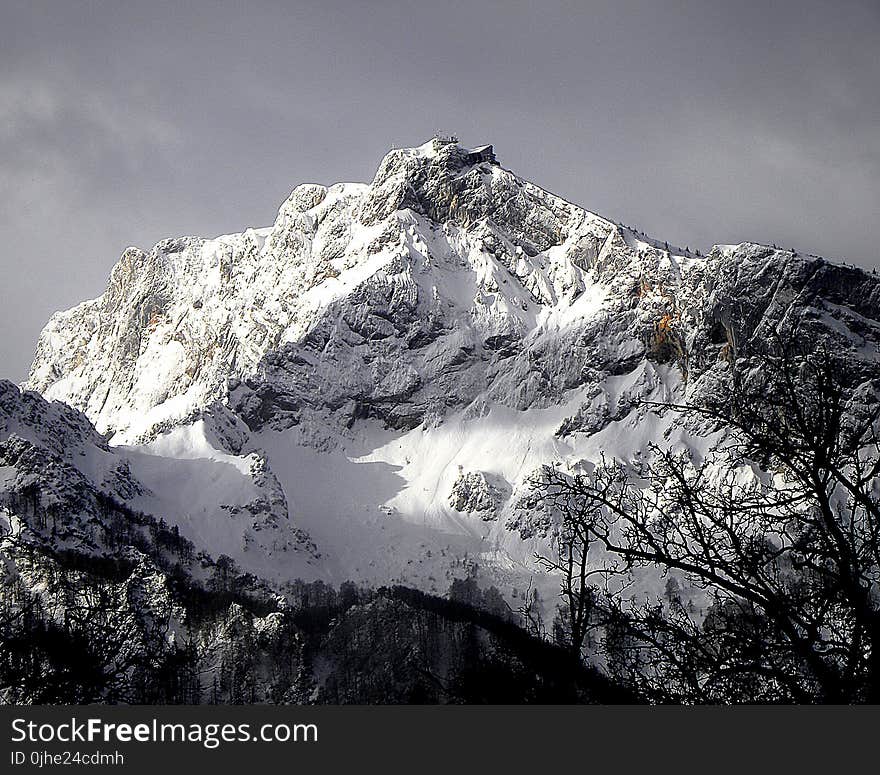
(397, 300)
(348, 363)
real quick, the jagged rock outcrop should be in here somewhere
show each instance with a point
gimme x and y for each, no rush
(474, 493)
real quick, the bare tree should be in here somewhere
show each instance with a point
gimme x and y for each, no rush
(571, 561)
(778, 528)
(530, 612)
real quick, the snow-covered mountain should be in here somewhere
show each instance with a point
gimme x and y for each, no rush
(363, 389)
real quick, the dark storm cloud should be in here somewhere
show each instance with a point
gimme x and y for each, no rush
(697, 122)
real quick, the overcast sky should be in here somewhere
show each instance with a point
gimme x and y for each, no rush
(700, 123)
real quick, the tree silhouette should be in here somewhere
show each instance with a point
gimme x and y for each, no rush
(785, 560)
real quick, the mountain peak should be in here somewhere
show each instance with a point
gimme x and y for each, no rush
(433, 179)
(398, 299)
(448, 147)
(397, 359)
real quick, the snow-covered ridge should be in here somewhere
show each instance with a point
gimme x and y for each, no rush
(440, 255)
(384, 367)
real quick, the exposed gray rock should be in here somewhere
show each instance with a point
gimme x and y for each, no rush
(479, 493)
